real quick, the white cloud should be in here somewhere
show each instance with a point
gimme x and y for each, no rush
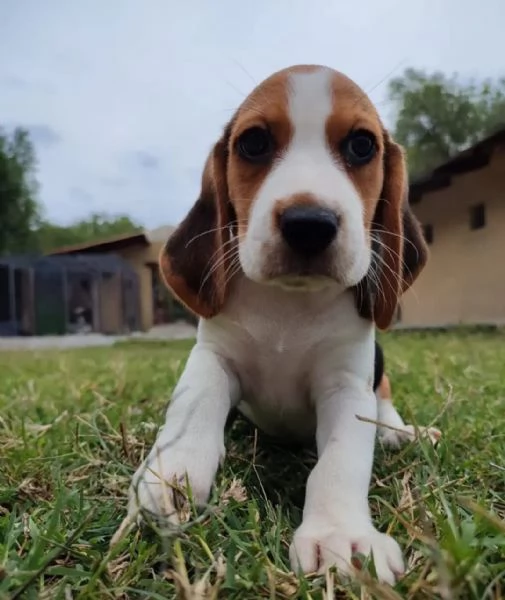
(134, 93)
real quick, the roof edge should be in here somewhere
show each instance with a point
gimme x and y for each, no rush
(470, 159)
(139, 237)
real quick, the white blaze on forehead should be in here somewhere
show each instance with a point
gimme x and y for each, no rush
(310, 104)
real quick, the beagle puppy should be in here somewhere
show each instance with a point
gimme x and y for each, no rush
(300, 244)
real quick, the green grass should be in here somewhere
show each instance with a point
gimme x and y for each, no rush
(74, 425)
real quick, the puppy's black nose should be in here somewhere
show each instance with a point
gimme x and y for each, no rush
(308, 230)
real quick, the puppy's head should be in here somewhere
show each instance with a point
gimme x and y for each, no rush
(305, 189)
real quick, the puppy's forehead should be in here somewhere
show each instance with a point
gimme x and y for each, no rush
(307, 88)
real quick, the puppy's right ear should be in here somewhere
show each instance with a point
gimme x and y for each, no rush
(194, 260)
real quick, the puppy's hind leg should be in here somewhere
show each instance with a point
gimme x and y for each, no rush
(392, 430)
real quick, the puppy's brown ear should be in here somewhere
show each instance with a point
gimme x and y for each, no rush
(401, 251)
(194, 260)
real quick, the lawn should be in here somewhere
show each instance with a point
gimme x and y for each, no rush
(74, 425)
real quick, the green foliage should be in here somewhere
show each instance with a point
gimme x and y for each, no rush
(22, 228)
(98, 226)
(19, 209)
(439, 116)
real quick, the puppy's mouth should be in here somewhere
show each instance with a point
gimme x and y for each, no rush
(283, 269)
(302, 283)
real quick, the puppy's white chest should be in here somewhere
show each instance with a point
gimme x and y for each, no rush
(273, 341)
(275, 386)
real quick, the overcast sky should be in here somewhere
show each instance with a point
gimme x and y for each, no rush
(124, 98)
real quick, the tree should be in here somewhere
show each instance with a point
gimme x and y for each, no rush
(22, 228)
(438, 116)
(98, 226)
(19, 209)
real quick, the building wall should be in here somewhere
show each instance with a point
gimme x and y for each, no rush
(464, 280)
(141, 257)
(111, 317)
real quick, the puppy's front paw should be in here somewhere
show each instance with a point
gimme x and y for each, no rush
(159, 486)
(394, 438)
(319, 545)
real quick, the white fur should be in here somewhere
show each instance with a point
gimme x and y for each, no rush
(308, 166)
(297, 363)
(396, 432)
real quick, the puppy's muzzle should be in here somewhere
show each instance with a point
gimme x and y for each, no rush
(308, 230)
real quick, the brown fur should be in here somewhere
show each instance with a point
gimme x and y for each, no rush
(352, 110)
(405, 251)
(384, 388)
(266, 106)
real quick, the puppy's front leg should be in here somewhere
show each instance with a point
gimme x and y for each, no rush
(336, 518)
(190, 445)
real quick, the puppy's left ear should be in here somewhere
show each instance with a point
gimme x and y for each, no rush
(401, 247)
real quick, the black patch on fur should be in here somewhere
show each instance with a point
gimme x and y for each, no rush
(414, 255)
(378, 366)
(192, 245)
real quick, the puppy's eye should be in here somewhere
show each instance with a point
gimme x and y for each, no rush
(255, 144)
(359, 147)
